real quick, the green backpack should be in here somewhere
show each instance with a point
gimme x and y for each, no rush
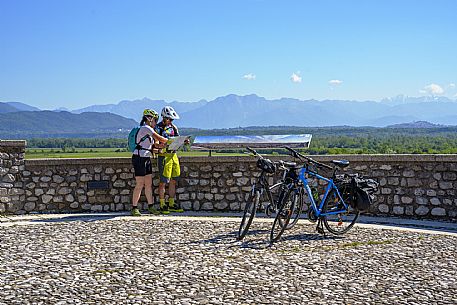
(132, 144)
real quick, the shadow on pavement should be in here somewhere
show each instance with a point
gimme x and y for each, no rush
(83, 218)
(260, 239)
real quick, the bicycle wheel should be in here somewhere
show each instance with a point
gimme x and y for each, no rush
(298, 198)
(249, 213)
(282, 218)
(339, 223)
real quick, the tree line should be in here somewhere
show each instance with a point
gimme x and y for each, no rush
(326, 140)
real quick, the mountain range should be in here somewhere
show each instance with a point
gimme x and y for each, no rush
(252, 110)
(134, 109)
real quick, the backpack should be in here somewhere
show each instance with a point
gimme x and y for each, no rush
(132, 144)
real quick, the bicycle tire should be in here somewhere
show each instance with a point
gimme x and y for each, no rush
(297, 209)
(342, 222)
(249, 212)
(282, 217)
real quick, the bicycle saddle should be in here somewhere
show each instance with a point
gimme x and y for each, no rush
(341, 163)
(287, 164)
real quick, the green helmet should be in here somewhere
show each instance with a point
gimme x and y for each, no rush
(150, 112)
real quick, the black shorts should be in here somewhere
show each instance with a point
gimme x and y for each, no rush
(141, 165)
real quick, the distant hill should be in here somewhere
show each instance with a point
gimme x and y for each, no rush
(6, 107)
(418, 124)
(50, 124)
(390, 120)
(23, 107)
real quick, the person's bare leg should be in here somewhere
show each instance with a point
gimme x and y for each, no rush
(137, 191)
(148, 189)
(172, 189)
(163, 206)
(162, 191)
(171, 198)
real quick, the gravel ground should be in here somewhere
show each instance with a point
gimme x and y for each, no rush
(160, 261)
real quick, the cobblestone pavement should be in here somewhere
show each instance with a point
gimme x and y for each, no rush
(164, 261)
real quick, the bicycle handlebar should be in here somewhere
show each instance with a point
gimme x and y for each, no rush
(300, 156)
(255, 152)
(252, 151)
(281, 164)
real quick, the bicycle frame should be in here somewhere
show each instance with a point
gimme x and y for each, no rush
(330, 185)
(262, 186)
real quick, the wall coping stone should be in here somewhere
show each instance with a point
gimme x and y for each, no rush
(13, 143)
(234, 159)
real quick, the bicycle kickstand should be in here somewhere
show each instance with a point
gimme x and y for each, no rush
(320, 227)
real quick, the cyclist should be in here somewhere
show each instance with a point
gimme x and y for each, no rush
(168, 163)
(141, 160)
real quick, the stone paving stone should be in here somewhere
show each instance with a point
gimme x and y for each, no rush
(200, 262)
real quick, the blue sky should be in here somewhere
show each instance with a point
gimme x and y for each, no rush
(76, 53)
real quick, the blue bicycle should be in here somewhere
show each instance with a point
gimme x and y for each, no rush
(336, 209)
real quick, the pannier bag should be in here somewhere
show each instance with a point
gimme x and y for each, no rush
(266, 165)
(364, 192)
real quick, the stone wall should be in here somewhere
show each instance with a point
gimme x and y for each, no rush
(11, 166)
(64, 185)
(420, 186)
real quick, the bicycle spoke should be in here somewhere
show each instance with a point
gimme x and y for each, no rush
(339, 219)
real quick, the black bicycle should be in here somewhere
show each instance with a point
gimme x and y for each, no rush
(261, 187)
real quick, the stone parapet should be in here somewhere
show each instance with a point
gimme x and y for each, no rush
(419, 186)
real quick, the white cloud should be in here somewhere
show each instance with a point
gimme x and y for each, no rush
(295, 77)
(451, 85)
(335, 82)
(249, 76)
(432, 89)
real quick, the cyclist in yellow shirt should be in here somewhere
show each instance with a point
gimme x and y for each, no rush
(168, 162)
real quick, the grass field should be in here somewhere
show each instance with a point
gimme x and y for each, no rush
(40, 153)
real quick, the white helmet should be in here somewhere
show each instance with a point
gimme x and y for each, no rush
(169, 112)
